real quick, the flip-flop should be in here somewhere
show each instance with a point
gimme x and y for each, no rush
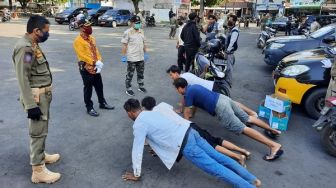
(273, 157)
(248, 156)
(270, 134)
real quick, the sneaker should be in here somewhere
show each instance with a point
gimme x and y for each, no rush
(130, 92)
(143, 90)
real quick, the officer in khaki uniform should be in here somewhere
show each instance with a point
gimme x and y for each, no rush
(35, 79)
(332, 84)
(134, 54)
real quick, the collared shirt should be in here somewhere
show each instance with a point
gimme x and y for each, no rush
(135, 40)
(162, 134)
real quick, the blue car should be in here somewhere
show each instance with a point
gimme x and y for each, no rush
(115, 17)
(279, 47)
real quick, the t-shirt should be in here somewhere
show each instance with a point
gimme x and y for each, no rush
(193, 79)
(199, 96)
(168, 111)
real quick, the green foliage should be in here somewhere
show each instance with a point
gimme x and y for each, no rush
(208, 3)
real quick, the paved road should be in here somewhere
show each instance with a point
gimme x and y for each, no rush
(96, 151)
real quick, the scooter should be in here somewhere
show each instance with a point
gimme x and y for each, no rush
(326, 124)
(211, 65)
(150, 21)
(264, 36)
(73, 25)
(6, 17)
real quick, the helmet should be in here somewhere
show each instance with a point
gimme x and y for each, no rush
(135, 19)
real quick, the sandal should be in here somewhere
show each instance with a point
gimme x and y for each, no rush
(271, 134)
(247, 154)
(274, 156)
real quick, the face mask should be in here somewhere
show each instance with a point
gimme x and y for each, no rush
(137, 26)
(44, 37)
(88, 30)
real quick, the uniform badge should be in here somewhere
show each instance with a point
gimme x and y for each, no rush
(27, 57)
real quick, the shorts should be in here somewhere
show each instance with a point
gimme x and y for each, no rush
(230, 115)
(213, 141)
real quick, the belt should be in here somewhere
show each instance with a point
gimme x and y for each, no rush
(184, 142)
(42, 90)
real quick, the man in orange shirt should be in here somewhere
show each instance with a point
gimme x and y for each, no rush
(90, 66)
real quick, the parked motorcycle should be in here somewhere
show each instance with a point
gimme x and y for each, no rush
(150, 21)
(265, 35)
(210, 64)
(327, 125)
(6, 16)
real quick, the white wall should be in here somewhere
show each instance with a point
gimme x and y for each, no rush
(160, 14)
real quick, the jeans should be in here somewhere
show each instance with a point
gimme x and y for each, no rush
(89, 81)
(201, 154)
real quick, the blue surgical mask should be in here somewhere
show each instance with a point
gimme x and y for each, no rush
(137, 26)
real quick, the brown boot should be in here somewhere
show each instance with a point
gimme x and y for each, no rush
(42, 175)
(49, 159)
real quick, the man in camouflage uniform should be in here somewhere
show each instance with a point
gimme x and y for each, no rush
(35, 79)
(134, 54)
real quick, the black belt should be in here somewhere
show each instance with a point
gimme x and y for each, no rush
(184, 142)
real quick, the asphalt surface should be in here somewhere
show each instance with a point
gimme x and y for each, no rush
(96, 151)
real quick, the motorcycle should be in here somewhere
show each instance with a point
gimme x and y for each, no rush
(150, 21)
(210, 64)
(265, 35)
(326, 124)
(6, 16)
(73, 26)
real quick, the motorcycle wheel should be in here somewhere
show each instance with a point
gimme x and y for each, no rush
(71, 27)
(328, 140)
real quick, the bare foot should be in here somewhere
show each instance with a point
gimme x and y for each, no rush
(246, 153)
(257, 183)
(242, 160)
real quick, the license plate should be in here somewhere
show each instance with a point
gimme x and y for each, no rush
(102, 22)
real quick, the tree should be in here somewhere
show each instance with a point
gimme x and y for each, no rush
(24, 3)
(136, 5)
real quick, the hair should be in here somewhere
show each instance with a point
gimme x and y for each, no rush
(132, 105)
(234, 17)
(148, 103)
(180, 83)
(36, 21)
(174, 69)
(180, 22)
(192, 16)
(212, 16)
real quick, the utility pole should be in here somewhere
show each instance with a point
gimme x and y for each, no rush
(201, 9)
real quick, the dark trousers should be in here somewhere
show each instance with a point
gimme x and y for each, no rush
(180, 57)
(139, 66)
(89, 81)
(288, 31)
(190, 53)
(172, 31)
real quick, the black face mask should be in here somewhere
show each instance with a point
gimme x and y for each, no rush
(44, 37)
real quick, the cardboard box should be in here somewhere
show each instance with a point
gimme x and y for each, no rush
(277, 104)
(279, 121)
(264, 112)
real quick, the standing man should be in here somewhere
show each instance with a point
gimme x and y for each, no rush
(192, 41)
(211, 28)
(170, 13)
(35, 79)
(231, 45)
(90, 67)
(171, 140)
(173, 26)
(134, 54)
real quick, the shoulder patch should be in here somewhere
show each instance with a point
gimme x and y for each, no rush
(28, 57)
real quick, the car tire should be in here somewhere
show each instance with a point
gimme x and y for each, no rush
(114, 24)
(314, 102)
(128, 23)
